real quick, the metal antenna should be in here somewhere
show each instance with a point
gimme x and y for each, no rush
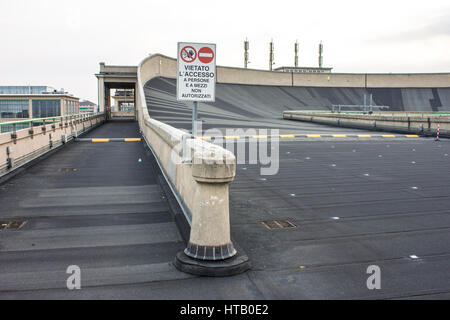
(246, 55)
(271, 56)
(320, 54)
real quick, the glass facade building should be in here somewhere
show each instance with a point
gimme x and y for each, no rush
(46, 108)
(14, 109)
(18, 103)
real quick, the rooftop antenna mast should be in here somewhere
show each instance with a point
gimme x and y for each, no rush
(320, 54)
(246, 55)
(271, 56)
(296, 54)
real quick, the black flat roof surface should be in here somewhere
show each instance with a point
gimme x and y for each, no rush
(355, 203)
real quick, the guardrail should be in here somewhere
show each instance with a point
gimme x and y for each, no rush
(364, 108)
(385, 113)
(22, 145)
(412, 122)
(79, 116)
(199, 179)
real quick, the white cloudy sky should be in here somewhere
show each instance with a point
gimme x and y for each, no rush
(60, 42)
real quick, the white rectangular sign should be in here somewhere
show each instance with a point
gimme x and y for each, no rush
(196, 79)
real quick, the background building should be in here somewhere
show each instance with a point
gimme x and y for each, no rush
(88, 107)
(27, 102)
(123, 100)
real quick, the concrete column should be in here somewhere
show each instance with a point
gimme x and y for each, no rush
(107, 101)
(61, 106)
(30, 108)
(101, 94)
(135, 103)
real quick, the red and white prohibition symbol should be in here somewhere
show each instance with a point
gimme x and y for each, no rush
(206, 55)
(188, 54)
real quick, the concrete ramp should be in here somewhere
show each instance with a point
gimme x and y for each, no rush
(256, 101)
(96, 206)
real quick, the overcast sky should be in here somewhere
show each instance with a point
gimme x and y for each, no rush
(61, 42)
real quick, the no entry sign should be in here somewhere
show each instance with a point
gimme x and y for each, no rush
(196, 79)
(206, 55)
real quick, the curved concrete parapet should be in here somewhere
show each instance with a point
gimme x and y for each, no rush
(200, 174)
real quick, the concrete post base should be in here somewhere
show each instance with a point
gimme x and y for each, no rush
(210, 253)
(240, 263)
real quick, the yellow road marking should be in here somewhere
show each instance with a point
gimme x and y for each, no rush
(133, 140)
(100, 140)
(287, 136)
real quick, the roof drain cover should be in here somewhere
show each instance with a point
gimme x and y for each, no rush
(278, 224)
(12, 224)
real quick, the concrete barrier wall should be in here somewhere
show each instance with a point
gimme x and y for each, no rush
(167, 68)
(330, 80)
(202, 182)
(421, 124)
(420, 80)
(29, 145)
(255, 77)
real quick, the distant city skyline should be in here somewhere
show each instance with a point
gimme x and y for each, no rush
(60, 43)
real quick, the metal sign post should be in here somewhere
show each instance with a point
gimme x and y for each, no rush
(194, 119)
(196, 78)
